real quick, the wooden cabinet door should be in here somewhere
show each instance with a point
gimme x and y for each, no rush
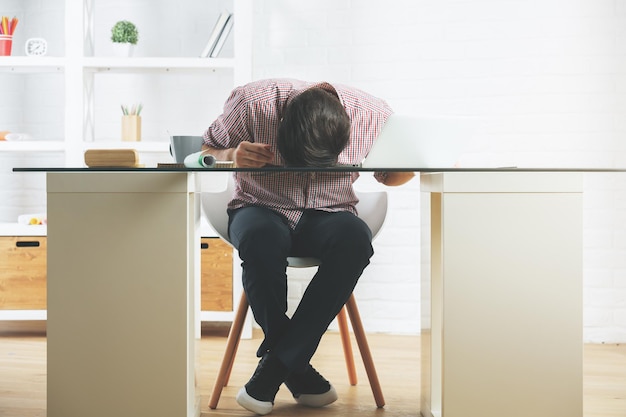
(22, 273)
(217, 275)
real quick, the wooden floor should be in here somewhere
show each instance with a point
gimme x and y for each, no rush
(23, 377)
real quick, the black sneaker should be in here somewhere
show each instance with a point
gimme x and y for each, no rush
(311, 389)
(259, 393)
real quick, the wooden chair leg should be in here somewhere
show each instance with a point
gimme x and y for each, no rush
(347, 345)
(231, 349)
(359, 334)
(237, 329)
(232, 362)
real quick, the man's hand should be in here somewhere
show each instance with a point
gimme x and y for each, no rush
(252, 155)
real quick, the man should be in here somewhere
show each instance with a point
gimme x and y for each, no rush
(274, 215)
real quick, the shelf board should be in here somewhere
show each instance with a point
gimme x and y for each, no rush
(32, 145)
(141, 146)
(24, 64)
(16, 229)
(54, 146)
(158, 64)
(28, 64)
(23, 315)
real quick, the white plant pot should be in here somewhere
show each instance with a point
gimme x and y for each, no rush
(123, 50)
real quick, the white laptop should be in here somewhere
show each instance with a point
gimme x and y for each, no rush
(420, 142)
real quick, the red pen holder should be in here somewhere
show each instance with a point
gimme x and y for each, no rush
(6, 42)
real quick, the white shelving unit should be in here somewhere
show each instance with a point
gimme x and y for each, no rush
(78, 64)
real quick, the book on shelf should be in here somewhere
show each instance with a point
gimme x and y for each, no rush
(220, 32)
(223, 36)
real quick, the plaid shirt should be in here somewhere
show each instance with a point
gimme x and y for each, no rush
(253, 112)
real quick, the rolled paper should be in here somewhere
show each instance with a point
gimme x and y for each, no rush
(200, 159)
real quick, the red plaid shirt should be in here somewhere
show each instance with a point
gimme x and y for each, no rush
(252, 113)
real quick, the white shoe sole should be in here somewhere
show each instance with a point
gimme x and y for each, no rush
(318, 400)
(251, 404)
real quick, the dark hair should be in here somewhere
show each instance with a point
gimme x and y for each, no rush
(314, 130)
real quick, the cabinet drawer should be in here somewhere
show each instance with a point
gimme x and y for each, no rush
(22, 273)
(217, 275)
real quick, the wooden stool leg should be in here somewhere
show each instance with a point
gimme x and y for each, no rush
(347, 346)
(231, 349)
(359, 334)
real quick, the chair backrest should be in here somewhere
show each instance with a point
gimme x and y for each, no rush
(372, 208)
(214, 205)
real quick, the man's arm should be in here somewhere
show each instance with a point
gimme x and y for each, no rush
(397, 178)
(220, 154)
(231, 124)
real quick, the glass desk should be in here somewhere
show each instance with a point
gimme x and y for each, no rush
(501, 294)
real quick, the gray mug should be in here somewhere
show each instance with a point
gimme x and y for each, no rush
(181, 146)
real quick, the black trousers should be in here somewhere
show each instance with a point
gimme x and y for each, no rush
(341, 240)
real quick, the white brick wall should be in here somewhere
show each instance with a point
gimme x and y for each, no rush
(548, 76)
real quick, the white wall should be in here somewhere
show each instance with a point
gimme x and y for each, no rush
(549, 77)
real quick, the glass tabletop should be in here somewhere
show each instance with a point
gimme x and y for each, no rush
(310, 169)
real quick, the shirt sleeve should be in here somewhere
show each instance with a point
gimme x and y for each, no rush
(231, 127)
(380, 176)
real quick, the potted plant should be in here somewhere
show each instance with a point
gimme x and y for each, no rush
(125, 35)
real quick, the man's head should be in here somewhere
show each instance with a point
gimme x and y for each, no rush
(314, 130)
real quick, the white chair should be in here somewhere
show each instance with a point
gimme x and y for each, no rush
(372, 208)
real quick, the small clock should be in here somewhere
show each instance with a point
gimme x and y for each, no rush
(36, 47)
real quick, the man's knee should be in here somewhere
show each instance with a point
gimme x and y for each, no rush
(259, 233)
(352, 239)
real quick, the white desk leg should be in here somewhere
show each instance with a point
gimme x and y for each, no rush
(121, 271)
(505, 298)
